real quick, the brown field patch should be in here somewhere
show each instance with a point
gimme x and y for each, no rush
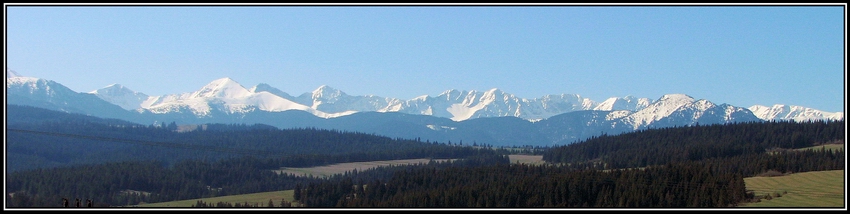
(527, 159)
(324, 171)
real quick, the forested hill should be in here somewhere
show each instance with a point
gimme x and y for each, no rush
(694, 143)
(16, 114)
(695, 166)
(699, 166)
(41, 138)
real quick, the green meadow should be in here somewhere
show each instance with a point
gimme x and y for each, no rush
(807, 189)
(261, 199)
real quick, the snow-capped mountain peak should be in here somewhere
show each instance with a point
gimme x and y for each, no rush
(661, 108)
(792, 112)
(268, 88)
(227, 95)
(11, 73)
(261, 87)
(564, 116)
(111, 89)
(327, 93)
(703, 104)
(629, 102)
(122, 96)
(32, 85)
(676, 98)
(224, 87)
(14, 78)
(452, 94)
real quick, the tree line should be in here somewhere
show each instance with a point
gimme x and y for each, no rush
(520, 185)
(700, 142)
(124, 164)
(699, 166)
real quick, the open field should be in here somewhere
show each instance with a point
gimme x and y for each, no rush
(527, 159)
(807, 189)
(829, 147)
(261, 199)
(324, 171)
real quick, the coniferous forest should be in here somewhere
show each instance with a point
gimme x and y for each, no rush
(632, 171)
(118, 164)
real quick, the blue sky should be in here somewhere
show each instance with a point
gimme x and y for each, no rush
(740, 55)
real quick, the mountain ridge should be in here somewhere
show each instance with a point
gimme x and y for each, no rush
(458, 105)
(452, 115)
(462, 105)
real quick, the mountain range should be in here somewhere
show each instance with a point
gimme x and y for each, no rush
(491, 116)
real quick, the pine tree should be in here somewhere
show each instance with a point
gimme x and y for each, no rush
(297, 192)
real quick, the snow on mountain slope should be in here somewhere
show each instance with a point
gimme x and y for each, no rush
(221, 88)
(614, 115)
(474, 102)
(230, 97)
(331, 100)
(438, 106)
(551, 105)
(682, 110)
(463, 105)
(623, 103)
(659, 109)
(47, 94)
(792, 112)
(35, 86)
(40, 89)
(10, 73)
(121, 96)
(268, 88)
(325, 94)
(454, 104)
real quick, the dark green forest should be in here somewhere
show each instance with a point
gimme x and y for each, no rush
(43, 139)
(94, 158)
(697, 166)
(666, 145)
(114, 163)
(519, 185)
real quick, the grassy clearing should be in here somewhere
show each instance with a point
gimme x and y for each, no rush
(807, 189)
(527, 159)
(324, 171)
(262, 199)
(829, 147)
